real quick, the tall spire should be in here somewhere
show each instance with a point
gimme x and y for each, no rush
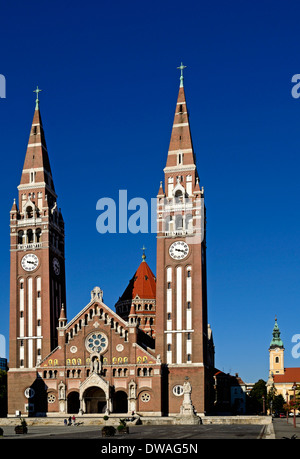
(181, 152)
(36, 168)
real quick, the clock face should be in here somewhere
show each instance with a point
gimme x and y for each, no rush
(179, 250)
(56, 266)
(29, 262)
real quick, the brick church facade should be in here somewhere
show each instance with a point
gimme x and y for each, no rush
(154, 353)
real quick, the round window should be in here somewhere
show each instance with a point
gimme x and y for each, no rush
(96, 342)
(51, 398)
(145, 397)
(178, 390)
(29, 392)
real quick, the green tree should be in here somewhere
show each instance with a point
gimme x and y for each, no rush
(275, 402)
(257, 396)
(278, 403)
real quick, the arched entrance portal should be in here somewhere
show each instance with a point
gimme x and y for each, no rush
(73, 402)
(120, 402)
(95, 400)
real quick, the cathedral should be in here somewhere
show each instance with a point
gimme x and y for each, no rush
(153, 353)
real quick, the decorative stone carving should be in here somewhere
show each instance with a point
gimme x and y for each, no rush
(61, 391)
(97, 294)
(187, 409)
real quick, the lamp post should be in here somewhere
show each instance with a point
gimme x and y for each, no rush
(294, 389)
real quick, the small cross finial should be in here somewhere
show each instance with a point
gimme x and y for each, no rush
(37, 91)
(181, 68)
(143, 256)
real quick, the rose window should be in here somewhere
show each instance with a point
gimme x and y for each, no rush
(51, 398)
(96, 342)
(145, 397)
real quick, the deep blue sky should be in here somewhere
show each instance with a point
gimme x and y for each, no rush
(110, 83)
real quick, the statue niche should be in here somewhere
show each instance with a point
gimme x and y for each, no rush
(96, 363)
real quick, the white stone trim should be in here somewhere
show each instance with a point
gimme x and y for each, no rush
(180, 331)
(180, 125)
(188, 167)
(175, 152)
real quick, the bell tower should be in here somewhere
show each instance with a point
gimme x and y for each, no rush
(37, 261)
(276, 352)
(181, 301)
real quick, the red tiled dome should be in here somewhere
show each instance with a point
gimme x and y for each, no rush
(143, 284)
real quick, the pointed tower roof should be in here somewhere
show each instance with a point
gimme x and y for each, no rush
(142, 284)
(14, 207)
(181, 139)
(132, 310)
(62, 315)
(276, 340)
(161, 190)
(197, 187)
(36, 166)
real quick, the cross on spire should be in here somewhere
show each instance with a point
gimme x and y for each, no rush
(37, 91)
(181, 68)
(143, 256)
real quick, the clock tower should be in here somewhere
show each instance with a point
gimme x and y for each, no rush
(37, 264)
(181, 300)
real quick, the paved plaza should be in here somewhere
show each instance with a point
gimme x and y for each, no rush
(168, 432)
(279, 429)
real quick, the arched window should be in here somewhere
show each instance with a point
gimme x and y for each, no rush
(20, 237)
(189, 221)
(29, 236)
(38, 233)
(179, 222)
(29, 212)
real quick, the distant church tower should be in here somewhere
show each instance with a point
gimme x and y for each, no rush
(37, 261)
(181, 300)
(276, 352)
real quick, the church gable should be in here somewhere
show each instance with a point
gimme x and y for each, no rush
(95, 329)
